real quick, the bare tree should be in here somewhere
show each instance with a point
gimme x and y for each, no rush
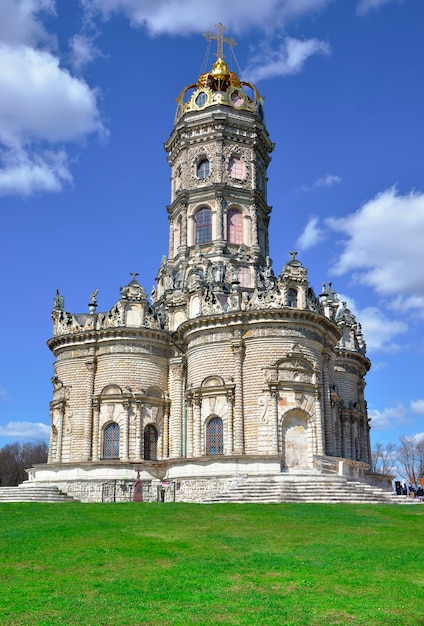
(410, 457)
(16, 457)
(384, 458)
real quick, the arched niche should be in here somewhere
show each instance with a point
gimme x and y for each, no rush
(295, 441)
(111, 390)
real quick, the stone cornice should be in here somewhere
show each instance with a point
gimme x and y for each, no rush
(275, 317)
(114, 334)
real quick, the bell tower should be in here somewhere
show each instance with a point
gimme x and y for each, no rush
(219, 152)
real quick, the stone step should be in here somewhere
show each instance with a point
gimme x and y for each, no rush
(27, 493)
(277, 488)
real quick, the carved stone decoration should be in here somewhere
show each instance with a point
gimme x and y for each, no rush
(68, 422)
(133, 291)
(263, 409)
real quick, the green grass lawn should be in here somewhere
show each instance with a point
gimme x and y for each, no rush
(157, 564)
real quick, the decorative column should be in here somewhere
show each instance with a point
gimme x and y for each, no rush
(345, 434)
(176, 384)
(95, 452)
(254, 227)
(166, 431)
(353, 433)
(230, 404)
(139, 433)
(184, 227)
(190, 434)
(171, 238)
(60, 409)
(219, 221)
(274, 419)
(328, 439)
(53, 436)
(125, 430)
(238, 353)
(88, 423)
(319, 448)
(368, 442)
(197, 426)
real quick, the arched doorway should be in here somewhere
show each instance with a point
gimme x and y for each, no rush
(295, 449)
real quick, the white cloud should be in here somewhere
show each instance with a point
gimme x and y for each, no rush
(192, 16)
(365, 6)
(379, 330)
(42, 101)
(189, 16)
(83, 50)
(3, 393)
(41, 105)
(407, 304)
(25, 430)
(23, 174)
(20, 20)
(288, 59)
(328, 181)
(417, 406)
(311, 235)
(383, 244)
(388, 418)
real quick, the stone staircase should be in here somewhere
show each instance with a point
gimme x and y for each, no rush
(287, 488)
(33, 493)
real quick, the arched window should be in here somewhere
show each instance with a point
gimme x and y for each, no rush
(234, 226)
(292, 297)
(111, 442)
(203, 169)
(203, 221)
(215, 436)
(236, 167)
(150, 443)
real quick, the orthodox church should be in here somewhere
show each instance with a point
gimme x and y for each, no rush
(229, 369)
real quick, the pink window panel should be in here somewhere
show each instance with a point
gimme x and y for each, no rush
(236, 168)
(234, 226)
(244, 277)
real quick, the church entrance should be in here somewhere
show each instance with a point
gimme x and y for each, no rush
(295, 442)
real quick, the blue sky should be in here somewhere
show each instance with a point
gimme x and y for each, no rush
(88, 98)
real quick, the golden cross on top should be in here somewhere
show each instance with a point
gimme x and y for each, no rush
(220, 40)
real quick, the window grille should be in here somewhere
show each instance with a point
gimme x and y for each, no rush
(150, 443)
(203, 225)
(292, 297)
(111, 442)
(203, 169)
(215, 436)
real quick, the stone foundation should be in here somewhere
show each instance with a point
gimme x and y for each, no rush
(184, 480)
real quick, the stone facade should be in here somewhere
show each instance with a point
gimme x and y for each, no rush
(229, 369)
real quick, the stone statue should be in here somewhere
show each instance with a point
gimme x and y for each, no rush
(59, 302)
